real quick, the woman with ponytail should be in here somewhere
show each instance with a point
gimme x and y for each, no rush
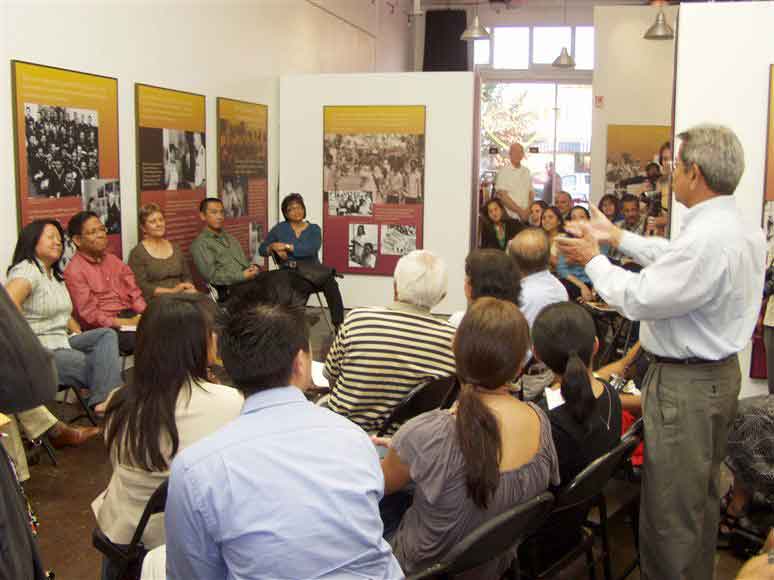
(490, 454)
(584, 427)
(588, 424)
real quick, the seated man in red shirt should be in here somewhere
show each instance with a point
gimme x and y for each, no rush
(103, 289)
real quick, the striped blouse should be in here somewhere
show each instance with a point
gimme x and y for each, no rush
(380, 355)
(48, 307)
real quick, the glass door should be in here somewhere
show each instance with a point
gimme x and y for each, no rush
(553, 123)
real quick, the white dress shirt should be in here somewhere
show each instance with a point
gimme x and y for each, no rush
(699, 294)
(538, 290)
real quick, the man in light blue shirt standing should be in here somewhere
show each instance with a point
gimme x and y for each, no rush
(288, 490)
(698, 298)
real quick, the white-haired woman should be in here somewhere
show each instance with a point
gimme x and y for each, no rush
(381, 354)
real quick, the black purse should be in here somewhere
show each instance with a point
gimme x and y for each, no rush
(318, 275)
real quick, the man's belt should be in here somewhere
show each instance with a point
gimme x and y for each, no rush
(686, 361)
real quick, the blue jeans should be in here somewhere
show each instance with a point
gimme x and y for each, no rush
(92, 361)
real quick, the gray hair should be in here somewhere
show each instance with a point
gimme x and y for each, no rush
(531, 250)
(717, 151)
(421, 279)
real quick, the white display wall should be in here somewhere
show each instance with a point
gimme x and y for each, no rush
(632, 75)
(228, 49)
(449, 98)
(723, 56)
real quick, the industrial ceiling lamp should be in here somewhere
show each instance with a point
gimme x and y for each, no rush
(660, 29)
(475, 31)
(564, 60)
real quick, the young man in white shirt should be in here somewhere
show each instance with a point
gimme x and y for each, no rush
(513, 185)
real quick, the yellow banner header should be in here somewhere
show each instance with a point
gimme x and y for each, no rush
(253, 115)
(405, 120)
(168, 109)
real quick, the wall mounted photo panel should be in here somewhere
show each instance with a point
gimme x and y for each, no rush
(373, 186)
(66, 145)
(243, 171)
(172, 157)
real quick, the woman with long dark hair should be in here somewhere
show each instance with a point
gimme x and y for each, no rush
(492, 453)
(168, 406)
(611, 207)
(298, 241)
(498, 228)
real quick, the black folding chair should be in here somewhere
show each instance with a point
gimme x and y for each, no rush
(572, 506)
(621, 493)
(129, 558)
(435, 394)
(87, 412)
(491, 539)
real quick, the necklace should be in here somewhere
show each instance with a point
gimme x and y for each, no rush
(609, 407)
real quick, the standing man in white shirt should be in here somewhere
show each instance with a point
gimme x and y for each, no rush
(513, 185)
(697, 297)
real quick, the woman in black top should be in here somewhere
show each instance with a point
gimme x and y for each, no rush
(498, 228)
(586, 426)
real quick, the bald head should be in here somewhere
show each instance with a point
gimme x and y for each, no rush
(516, 153)
(531, 250)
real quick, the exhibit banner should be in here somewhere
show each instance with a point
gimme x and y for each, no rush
(630, 148)
(243, 171)
(66, 146)
(768, 183)
(172, 157)
(373, 186)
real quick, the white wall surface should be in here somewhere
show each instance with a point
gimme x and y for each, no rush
(634, 75)
(729, 86)
(448, 149)
(228, 48)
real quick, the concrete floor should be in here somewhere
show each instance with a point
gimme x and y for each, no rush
(62, 496)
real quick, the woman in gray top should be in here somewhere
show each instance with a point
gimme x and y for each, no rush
(457, 486)
(159, 266)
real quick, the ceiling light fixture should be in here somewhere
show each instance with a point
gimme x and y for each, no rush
(660, 30)
(475, 31)
(564, 60)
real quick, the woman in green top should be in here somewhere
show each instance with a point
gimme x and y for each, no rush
(497, 227)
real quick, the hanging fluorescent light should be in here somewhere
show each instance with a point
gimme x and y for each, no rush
(660, 29)
(475, 31)
(564, 60)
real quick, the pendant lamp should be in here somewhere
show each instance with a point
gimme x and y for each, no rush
(475, 31)
(660, 29)
(564, 60)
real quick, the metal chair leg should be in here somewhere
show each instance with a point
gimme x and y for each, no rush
(606, 559)
(87, 412)
(325, 316)
(43, 442)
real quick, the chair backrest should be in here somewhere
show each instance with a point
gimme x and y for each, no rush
(589, 483)
(494, 537)
(635, 429)
(155, 505)
(434, 394)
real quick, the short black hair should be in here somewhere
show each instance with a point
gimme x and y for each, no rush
(493, 273)
(292, 198)
(75, 226)
(258, 346)
(629, 198)
(206, 201)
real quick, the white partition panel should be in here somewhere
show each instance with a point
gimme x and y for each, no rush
(723, 56)
(449, 99)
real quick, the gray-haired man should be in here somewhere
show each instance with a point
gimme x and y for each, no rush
(697, 297)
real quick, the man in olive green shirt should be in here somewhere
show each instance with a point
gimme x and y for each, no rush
(217, 254)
